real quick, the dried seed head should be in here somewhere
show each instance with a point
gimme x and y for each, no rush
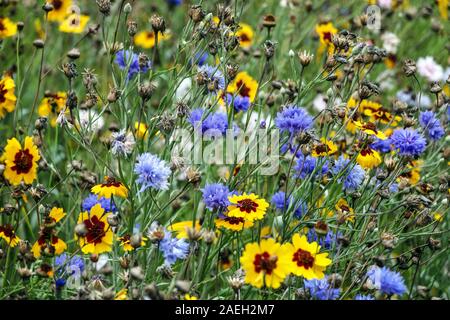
(104, 6)
(435, 88)
(125, 262)
(182, 109)
(153, 292)
(136, 240)
(158, 23)
(193, 175)
(136, 273)
(24, 273)
(72, 100)
(38, 43)
(196, 13)
(388, 240)
(269, 48)
(114, 95)
(166, 271)
(166, 122)
(132, 28)
(409, 67)
(146, 90)
(70, 70)
(80, 230)
(269, 21)
(209, 236)
(47, 7)
(183, 285)
(113, 220)
(305, 57)
(41, 123)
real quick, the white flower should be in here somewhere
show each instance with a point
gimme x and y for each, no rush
(429, 69)
(182, 92)
(122, 143)
(319, 102)
(390, 42)
(386, 4)
(90, 120)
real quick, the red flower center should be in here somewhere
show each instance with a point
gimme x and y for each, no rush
(23, 161)
(303, 259)
(265, 262)
(57, 4)
(327, 36)
(96, 230)
(234, 220)
(8, 231)
(2, 25)
(244, 91)
(247, 205)
(322, 148)
(3, 91)
(370, 126)
(366, 152)
(111, 182)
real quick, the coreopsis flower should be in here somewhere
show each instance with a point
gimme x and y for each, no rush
(232, 223)
(408, 142)
(20, 163)
(322, 289)
(351, 176)
(241, 92)
(370, 128)
(181, 228)
(152, 172)
(326, 32)
(293, 119)
(146, 39)
(428, 68)
(125, 242)
(111, 187)
(74, 23)
(324, 148)
(7, 96)
(99, 236)
(7, 28)
(61, 8)
(386, 281)
(141, 130)
(266, 263)
(48, 238)
(52, 105)
(247, 206)
(8, 234)
(215, 196)
(305, 258)
(344, 210)
(245, 35)
(368, 158)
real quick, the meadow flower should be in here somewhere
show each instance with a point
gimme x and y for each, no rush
(305, 258)
(152, 172)
(48, 240)
(247, 206)
(7, 96)
(321, 289)
(20, 163)
(122, 143)
(326, 241)
(7, 28)
(408, 142)
(306, 165)
(364, 297)
(8, 234)
(390, 42)
(326, 32)
(173, 249)
(214, 77)
(92, 200)
(181, 228)
(428, 68)
(241, 91)
(215, 196)
(370, 129)
(368, 158)
(74, 23)
(344, 210)
(99, 236)
(266, 263)
(141, 130)
(60, 9)
(125, 242)
(52, 105)
(128, 60)
(146, 39)
(232, 223)
(281, 202)
(214, 124)
(66, 267)
(387, 281)
(324, 148)
(351, 176)
(245, 35)
(380, 145)
(90, 120)
(293, 119)
(111, 187)
(431, 125)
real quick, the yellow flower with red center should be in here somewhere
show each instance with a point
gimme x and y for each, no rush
(306, 259)
(412, 175)
(141, 130)
(7, 96)
(364, 106)
(8, 234)
(267, 263)
(370, 128)
(20, 163)
(48, 242)
(368, 158)
(7, 28)
(125, 242)
(247, 206)
(98, 237)
(51, 106)
(111, 187)
(74, 23)
(243, 85)
(390, 61)
(344, 210)
(180, 228)
(146, 39)
(233, 223)
(245, 35)
(326, 32)
(61, 9)
(325, 148)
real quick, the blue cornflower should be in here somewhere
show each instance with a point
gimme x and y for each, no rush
(127, 58)
(281, 202)
(409, 142)
(321, 289)
(383, 146)
(215, 196)
(293, 119)
(351, 177)
(387, 281)
(173, 248)
(306, 165)
(327, 241)
(152, 171)
(364, 297)
(240, 103)
(214, 124)
(174, 2)
(431, 124)
(68, 267)
(215, 76)
(93, 199)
